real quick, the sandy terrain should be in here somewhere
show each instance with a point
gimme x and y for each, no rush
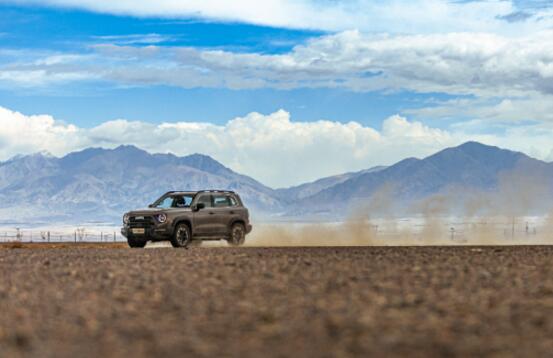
(349, 301)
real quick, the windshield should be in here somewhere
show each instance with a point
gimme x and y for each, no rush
(174, 201)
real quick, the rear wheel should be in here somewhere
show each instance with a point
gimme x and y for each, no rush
(136, 243)
(237, 235)
(182, 236)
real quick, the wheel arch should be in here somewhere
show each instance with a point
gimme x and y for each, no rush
(237, 221)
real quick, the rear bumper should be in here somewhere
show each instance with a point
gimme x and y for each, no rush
(153, 234)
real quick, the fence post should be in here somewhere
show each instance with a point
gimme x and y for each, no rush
(75, 236)
(114, 237)
(48, 236)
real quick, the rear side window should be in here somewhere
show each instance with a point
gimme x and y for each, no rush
(221, 201)
(205, 199)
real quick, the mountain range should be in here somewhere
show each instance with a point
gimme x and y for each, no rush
(98, 184)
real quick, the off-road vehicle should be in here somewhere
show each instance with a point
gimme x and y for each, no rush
(186, 217)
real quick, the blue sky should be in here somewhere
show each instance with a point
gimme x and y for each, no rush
(70, 30)
(62, 30)
(358, 83)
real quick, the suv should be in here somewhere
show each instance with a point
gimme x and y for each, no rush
(185, 216)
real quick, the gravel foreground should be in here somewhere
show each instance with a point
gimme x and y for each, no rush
(279, 302)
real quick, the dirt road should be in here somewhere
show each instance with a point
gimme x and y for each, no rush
(324, 302)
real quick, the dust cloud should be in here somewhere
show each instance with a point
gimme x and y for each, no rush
(518, 210)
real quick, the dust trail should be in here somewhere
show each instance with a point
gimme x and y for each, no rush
(357, 229)
(521, 193)
(433, 209)
(506, 215)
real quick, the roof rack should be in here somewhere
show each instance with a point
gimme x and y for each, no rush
(216, 191)
(201, 191)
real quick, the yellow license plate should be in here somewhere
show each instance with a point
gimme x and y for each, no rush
(139, 231)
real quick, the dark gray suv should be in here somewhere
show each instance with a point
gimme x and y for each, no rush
(185, 217)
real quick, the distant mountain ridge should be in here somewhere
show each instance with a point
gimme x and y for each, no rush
(307, 189)
(472, 165)
(98, 184)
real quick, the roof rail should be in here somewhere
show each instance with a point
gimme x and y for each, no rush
(201, 191)
(215, 191)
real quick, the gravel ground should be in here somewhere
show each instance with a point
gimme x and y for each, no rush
(281, 302)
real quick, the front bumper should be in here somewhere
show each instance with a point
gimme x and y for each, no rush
(248, 228)
(152, 233)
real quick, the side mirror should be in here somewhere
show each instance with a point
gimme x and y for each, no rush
(198, 207)
(151, 205)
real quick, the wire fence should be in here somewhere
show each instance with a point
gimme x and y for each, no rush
(459, 232)
(77, 235)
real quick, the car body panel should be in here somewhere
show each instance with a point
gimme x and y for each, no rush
(207, 223)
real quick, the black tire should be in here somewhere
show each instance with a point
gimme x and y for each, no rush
(182, 236)
(237, 235)
(136, 243)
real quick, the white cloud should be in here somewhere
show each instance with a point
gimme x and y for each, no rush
(480, 64)
(399, 127)
(271, 148)
(490, 111)
(31, 68)
(397, 16)
(135, 39)
(21, 134)
(459, 63)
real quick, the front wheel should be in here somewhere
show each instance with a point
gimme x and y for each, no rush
(182, 236)
(237, 235)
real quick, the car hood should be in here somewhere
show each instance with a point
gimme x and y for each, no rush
(153, 211)
(147, 211)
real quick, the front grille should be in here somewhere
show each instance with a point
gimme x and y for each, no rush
(141, 222)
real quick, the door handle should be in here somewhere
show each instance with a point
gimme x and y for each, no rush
(211, 213)
(232, 212)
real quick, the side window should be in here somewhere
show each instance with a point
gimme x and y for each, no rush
(205, 199)
(182, 201)
(233, 201)
(221, 201)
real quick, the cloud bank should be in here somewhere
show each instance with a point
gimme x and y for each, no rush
(271, 148)
(455, 63)
(503, 78)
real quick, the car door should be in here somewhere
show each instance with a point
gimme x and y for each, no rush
(203, 218)
(223, 213)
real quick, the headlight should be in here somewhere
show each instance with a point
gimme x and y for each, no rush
(161, 218)
(126, 219)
